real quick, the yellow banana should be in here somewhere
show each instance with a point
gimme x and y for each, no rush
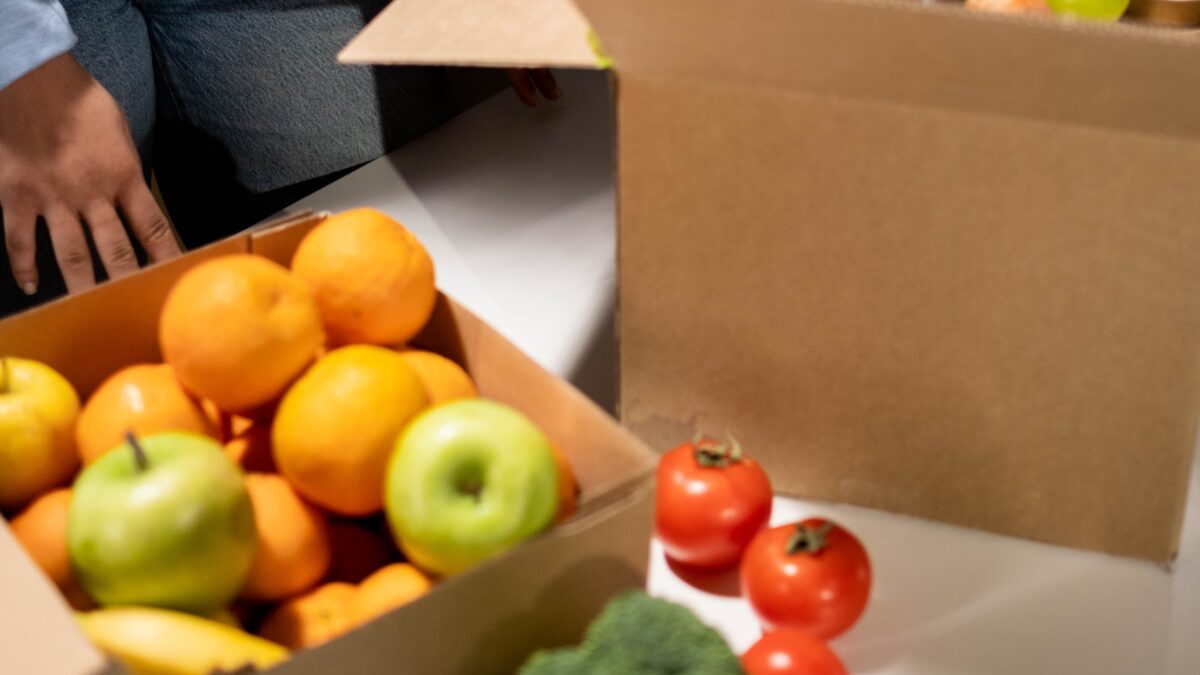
(150, 641)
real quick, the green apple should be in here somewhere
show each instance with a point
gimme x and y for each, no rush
(1101, 10)
(163, 521)
(38, 408)
(468, 480)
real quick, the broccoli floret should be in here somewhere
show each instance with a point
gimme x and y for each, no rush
(640, 634)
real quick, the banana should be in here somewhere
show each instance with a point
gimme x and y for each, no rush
(150, 641)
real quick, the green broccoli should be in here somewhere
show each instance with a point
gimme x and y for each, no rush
(637, 634)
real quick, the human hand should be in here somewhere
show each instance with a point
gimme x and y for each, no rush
(66, 155)
(527, 82)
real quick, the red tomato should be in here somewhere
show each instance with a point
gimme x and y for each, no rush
(790, 652)
(811, 576)
(710, 501)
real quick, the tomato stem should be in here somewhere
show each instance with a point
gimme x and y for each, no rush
(715, 453)
(809, 539)
(139, 453)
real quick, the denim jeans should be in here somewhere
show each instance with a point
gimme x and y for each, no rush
(240, 106)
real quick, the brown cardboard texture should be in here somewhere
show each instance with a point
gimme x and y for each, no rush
(466, 32)
(489, 619)
(917, 258)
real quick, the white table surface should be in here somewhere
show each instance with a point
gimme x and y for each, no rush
(517, 208)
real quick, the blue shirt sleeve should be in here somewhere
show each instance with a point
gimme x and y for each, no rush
(31, 33)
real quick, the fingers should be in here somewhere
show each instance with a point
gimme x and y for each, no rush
(148, 222)
(70, 242)
(20, 237)
(71, 250)
(544, 80)
(522, 85)
(109, 236)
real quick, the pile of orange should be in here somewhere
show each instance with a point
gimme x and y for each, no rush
(290, 369)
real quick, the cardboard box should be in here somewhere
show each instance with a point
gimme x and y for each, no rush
(917, 258)
(489, 619)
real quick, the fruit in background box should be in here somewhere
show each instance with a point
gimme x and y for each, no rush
(251, 449)
(709, 502)
(1009, 6)
(443, 379)
(336, 427)
(1102, 10)
(293, 549)
(164, 522)
(812, 576)
(238, 330)
(145, 398)
(790, 652)
(151, 641)
(373, 279)
(358, 551)
(391, 587)
(313, 618)
(568, 487)
(41, 530)
(468, 480)
(38, 408)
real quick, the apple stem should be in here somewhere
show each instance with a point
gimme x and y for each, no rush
(139, 453)
(474, 488)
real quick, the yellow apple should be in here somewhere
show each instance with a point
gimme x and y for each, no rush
(38, 408)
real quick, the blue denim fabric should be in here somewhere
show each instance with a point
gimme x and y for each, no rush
(240, 106)
(258, 77)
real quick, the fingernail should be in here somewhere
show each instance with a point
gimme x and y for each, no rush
(29, 287)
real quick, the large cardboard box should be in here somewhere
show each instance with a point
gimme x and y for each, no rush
(487, 620)
(916, 258)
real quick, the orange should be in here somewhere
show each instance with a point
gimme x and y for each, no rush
(373, 279)
(238, 330)
(42, 530)
(313, 618)
(358, 551)
(392, 586)
(337, 426)
(568, 487)
(293, 549)
(444, 380)
(251, 449)
(145, 399)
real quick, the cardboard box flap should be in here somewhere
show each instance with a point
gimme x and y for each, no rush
(915, 54)
(38, 633)
(512, 33)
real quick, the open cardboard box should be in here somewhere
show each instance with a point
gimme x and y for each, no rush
(917, 258)
(489, 619)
